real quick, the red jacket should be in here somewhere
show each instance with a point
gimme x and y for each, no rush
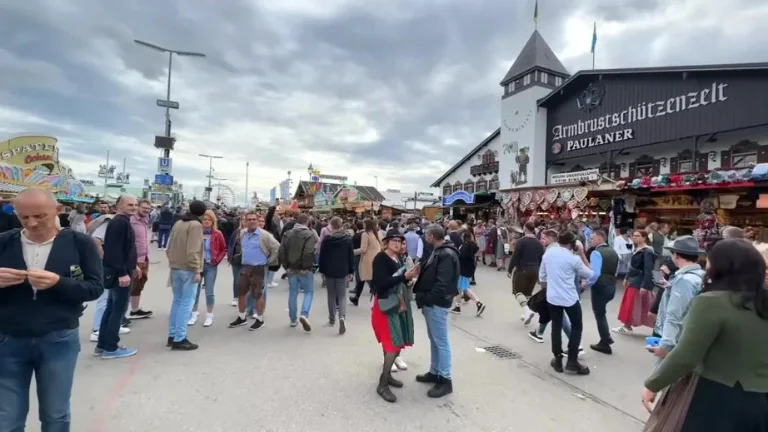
(218, 247)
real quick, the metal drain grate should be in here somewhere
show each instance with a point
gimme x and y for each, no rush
(502, 352)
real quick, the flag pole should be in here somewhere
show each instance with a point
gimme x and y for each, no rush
(536, 16)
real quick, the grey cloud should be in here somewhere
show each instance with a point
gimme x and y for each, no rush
(279, 86)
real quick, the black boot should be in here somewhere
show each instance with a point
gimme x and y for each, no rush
(601, 347)
(394, 382)
(184, 345)
(170, 342)
(575, 368)
(354, 300)
(557, 364)
(427, 378)
(443, 387)
(384, 391)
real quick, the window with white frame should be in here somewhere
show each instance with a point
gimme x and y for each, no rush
(447, 189)
(745, 159)
(558, 81)
(685, 161)
(527, 79)
(544, 77)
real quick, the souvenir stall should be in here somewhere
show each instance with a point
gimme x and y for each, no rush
(558, 204)
(700, 202)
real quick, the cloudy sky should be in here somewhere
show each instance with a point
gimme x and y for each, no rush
(398, 89)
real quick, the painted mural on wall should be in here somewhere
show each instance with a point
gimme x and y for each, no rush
(33, 160)
(518, 174)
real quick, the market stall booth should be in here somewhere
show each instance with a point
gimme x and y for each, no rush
(697, 201)
(585, 194)
(33, 161)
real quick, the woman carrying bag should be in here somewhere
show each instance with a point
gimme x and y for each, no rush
(717, 375)
(391, 316)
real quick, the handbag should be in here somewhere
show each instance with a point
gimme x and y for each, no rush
(672, 407)
(391, 304)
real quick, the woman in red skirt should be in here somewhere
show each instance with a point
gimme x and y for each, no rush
(638, 287)
(391, 316)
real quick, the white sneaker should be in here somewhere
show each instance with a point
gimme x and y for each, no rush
(124, 330)
(193, 319)
(527, 315)
(394, 368)
(234, 303)
(208, 320)
(274, 285)
(622, 330)
(400, 364)
(255, 316)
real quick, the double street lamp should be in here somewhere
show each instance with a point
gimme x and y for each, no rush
(167, 103)
(209, 189)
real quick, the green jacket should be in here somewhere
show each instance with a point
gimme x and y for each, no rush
(722, 342)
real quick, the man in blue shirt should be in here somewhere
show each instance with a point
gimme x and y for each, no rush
(557, 274)
(257, 249)
(605, 263)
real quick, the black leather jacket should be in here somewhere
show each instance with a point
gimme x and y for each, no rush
(438, 282)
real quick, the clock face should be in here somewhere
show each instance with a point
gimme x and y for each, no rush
(518, 121)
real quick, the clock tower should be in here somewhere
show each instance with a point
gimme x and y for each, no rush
(535, 73)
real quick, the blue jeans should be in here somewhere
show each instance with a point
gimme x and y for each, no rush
(305, 283)
(440, 346)
(209, 280)
(52, 359)
(235, 277)
(117, 305)
(162, 237)
(184, 289)
(101, 306)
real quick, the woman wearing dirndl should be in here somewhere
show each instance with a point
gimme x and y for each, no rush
(391, 315)
(480, 234)
(638, 287)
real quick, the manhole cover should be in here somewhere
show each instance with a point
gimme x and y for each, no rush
(502, 352)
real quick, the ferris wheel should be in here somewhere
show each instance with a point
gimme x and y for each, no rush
(224, 195)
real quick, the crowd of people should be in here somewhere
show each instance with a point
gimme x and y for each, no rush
(707, 304)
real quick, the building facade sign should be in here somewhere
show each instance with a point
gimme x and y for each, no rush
(598, 113)
(575, 177)
(712, 94)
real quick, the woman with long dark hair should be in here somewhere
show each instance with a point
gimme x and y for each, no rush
(638, 287)
(370, 246)
(391, 315)
(722, 356)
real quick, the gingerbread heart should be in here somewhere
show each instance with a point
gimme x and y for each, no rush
(526, 197)
(532, 205)
(521, 206)
(583, 203)
(551, 195)
(559, 202)
(566, 194)
(514, 196)
(572, 204)
(539, 196)
(580, 193)
(604, 204)
(545, 205)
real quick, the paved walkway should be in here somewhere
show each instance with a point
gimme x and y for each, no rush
(281, 379)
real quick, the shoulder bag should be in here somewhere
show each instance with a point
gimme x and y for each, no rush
(672, 407)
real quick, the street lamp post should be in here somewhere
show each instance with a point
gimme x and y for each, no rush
(209, 189)
(166, 151)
